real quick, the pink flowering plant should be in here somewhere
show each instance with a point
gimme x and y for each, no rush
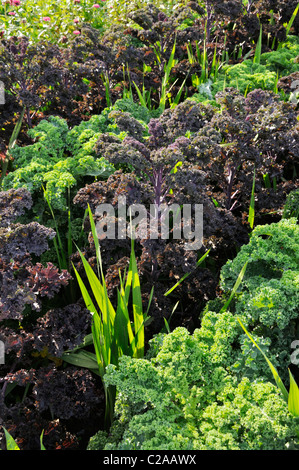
(56, 21)
(53, 21)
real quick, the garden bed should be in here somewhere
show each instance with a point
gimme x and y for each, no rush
(110, 344)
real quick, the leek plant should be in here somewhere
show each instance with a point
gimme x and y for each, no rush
(62, 258)
(164, 92)
(267, 181)
(63, 252)
(113, 332)
(202, 59)
(289, 25)
(144, 95)
(106, 83)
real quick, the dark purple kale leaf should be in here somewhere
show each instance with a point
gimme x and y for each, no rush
(68, 393)
(21, 281)
(61, 329)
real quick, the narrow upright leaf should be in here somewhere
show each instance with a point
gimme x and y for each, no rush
(235, 288)
(293, 402)
(10, 442)
(42, 447)
(290, 23)
(275, 374)
(258, 49)
(252, 201)
(187, 274)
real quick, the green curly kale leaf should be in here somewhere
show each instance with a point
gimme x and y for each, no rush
(247, 75)
(182, 398)
(269, 291)
(59, 157)
(268, 297)
(291, 208)
(211, 389)
(272, 250)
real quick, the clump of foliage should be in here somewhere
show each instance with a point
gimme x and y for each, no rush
(141, 113)
(291, 208)
(40, 76)
(229, 148)
(46, 79)
(160, 261)
(90, 74)
(59, 158)
(182, 397)
(206, 390)
(56, 163)
(55, 402)
(23, 282)
(226, 142)
(195, 146)
(55, 22)
(36, 334)
(248, 74)
(285, 9)
(162, 169)
(255, 149)
(268, 295)
(114, 331)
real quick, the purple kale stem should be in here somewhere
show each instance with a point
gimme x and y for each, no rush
(158, 188)
(230, 179)
(249, 4)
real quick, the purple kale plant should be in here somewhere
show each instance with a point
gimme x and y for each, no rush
(38, 391)
(21, 281)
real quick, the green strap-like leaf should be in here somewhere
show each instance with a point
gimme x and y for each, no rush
(258, 49)
(86, 297)
(293, 401)
(96, 324)
(276, 376)
(10, 442)
(252, 201)
(42, 447)
(187, 274)
(82, 358)
(122, 326)
(123, 299)
(235, 288)
(290, 23)
(137, 305)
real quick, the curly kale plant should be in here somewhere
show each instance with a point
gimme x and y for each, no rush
(268, 296)
(59, 158)
(291, 208)
(271, 253)
(248, 75)
(226, 144)
(46, 79)
(212, 390)
(181, 397)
